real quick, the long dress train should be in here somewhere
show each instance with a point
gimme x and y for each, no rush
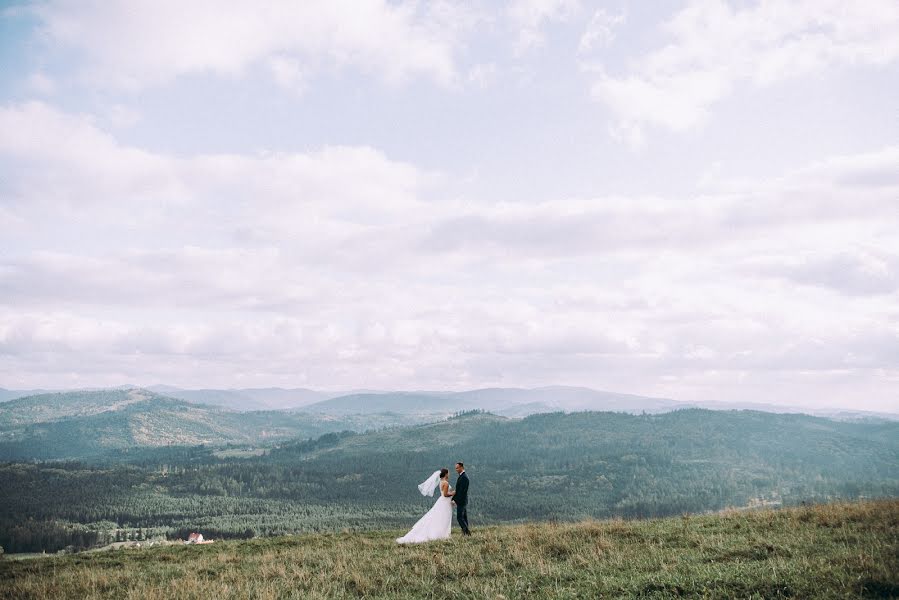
(436, 524)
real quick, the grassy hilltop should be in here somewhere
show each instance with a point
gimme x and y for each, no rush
(828, 551)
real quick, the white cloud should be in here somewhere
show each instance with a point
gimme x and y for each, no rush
(851, 271)
(80, 164)
(40, 83)
(121, 117)
(343, 265)
(528, 17)
(482, 75)
(715, 49)
(142, 43)
(600, 31)
(288, 73)
(830, 204)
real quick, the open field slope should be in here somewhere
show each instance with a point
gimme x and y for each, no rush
(828, 551)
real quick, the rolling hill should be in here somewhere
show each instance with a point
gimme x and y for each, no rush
(521, 402)
(249, 398)
(545, 467)
(410, 403)
(511, 402)
(606, 464)
(94, 423)
(6, 395)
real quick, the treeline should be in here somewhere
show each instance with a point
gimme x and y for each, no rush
(46, 536)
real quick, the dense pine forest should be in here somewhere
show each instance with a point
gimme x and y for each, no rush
(551, 467)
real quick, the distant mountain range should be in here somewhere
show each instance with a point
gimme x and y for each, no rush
(86, 424)
(522, 402)
(390, 402)
(510, 402)
(249, 399)
(6, 395)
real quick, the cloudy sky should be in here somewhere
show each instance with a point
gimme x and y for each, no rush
(695, 199)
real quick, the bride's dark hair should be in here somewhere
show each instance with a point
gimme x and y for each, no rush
(443, 473)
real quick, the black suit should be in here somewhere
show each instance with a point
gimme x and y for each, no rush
(461, 500)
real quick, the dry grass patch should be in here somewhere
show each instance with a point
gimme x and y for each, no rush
(832, 551)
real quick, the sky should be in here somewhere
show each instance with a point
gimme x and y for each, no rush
(696, 200)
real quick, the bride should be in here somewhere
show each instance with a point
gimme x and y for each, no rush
(436, 524)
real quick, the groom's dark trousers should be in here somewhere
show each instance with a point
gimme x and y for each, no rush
(461, 500)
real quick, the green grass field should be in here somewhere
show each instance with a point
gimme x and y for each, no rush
(827, 551)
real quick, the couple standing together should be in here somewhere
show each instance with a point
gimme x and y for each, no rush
(437, 523)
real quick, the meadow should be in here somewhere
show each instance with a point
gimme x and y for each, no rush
(837, 550)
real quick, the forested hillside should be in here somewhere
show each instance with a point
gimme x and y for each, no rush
(551, 466)
(93, 424)
(250, 398)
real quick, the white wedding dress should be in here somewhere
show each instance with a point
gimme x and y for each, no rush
(436, 524)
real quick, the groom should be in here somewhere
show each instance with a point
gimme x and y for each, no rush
(461, 498)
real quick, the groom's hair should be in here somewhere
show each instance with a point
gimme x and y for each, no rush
(443, 473)
(460, 464)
